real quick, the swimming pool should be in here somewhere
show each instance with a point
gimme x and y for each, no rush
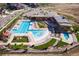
(24, 28)
(38, 34)
(66, 35)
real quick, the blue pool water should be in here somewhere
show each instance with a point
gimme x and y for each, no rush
(66, 35)
(24, 28)
(38, 33)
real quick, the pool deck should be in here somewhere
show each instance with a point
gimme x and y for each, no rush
(41, 40)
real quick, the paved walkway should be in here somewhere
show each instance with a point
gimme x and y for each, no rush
(56, 43)
(74, 37)
(10, 39)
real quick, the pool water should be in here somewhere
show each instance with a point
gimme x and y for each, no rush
(38, 33)
(24, 28)
(66, 35)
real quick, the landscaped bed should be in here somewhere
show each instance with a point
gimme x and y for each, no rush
(41, 24)
(20, 39)
(18, 47)
(46, 45)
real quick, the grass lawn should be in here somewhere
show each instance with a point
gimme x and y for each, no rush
(46, 45)
(42, 24)
(17, 47)
(22, 39)
(61, 44)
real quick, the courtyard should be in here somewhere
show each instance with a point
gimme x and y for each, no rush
(39, 30)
